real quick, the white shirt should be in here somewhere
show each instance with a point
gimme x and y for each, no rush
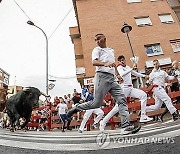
(62, 108)
(158, 77)
(104, 55)
(177, 73)
(125, 73)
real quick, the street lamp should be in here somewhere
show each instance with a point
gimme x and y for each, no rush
(32, 24)
(126, 29)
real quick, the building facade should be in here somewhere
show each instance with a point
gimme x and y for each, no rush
(155, 31)
(4, 79)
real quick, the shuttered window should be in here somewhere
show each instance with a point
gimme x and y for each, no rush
(143, 21)
(153, 49)
(166, 18)
(175, 44)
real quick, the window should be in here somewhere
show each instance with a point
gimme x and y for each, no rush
(166, 18)
(1, 73)
(143, 21)
(80, 70)
(133, 1)
(153, 49)
(175, 45)
(6, 79)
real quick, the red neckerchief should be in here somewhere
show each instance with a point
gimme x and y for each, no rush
(118, 65)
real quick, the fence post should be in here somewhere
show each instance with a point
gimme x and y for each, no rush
(49, 119)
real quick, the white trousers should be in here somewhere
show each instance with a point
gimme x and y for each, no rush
(99, 112)
(129, 92)
(160, 97)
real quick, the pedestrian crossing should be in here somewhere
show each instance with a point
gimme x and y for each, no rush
(90, 140)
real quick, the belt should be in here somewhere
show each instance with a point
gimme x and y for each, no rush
(157, 86)
(150, 88)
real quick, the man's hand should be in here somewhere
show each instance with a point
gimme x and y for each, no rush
(120, 79)
(134, 66)
(147, 77)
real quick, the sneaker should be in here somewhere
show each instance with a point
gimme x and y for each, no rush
(130, 129)
(101, 126)
(175, 116)
(95, 125)
(145, 118)
(72, 111)
(80, 131)
(63, 130)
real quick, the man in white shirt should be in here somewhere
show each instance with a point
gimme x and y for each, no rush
(176, 70)
(104, 60)
(158, 79)
(62, 108)
(126, 83)
(176, 82)
(89, 96)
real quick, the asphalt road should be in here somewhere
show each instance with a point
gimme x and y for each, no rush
(153, 148)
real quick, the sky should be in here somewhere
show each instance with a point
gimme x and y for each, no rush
(23, 47)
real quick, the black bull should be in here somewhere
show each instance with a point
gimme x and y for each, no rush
(21, 105)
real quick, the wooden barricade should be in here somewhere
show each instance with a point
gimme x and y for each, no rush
(35, 119)
(133, 106)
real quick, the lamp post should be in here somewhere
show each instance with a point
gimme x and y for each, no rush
(32, 24)
(126, 29)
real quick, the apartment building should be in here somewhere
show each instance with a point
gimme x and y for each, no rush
(155, 32)
(4, 79)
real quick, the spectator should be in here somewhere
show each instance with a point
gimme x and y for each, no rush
(56, 101)
(89, 95)
(66, 99)
(62, 108)
(176, 73)
(76, 97)
(84, 90)
(69, 97)
(45, 114)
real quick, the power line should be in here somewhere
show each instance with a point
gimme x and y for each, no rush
(60, 23)
(55, 28)
(22, 10)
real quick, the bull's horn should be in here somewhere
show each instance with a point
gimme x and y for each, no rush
(26, 88)
(42, 93)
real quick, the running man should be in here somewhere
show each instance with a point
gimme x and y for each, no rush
(158, 79)
(126, 83)
(104, 60)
